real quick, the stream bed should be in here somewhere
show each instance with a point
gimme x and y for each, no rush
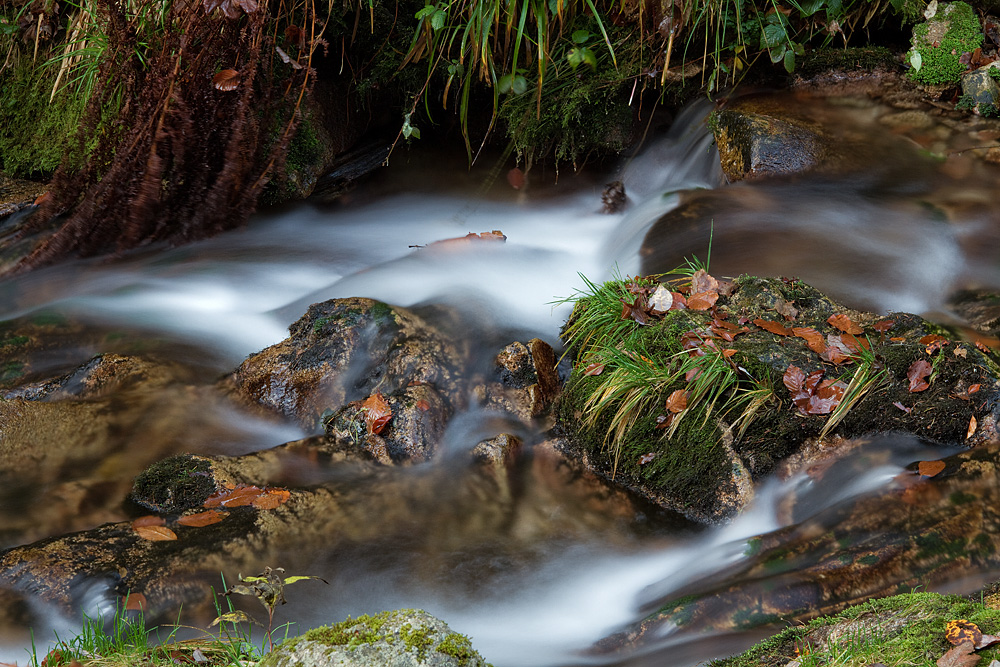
(206, 306)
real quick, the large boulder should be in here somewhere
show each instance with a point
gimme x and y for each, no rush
(404, 638)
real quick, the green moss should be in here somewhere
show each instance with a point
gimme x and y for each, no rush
(940, 48)
(417, 640)
(459, 647)
(174, 484)
(364, 629)
(903, 629)
(302, 165)
(14, 341)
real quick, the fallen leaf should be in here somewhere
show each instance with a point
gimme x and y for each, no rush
(677, 401)
(959, 656)
(377, 413)
(271, 498)
(156, 533)
(595, 368)
(810, 393)
(898, 339)
(930, 469)
(240, 495)
(836, 352)
(647, 458)
(794, 378)
(813, 338)
(961, 631)
(972, 427)
(902, 407)
(423, 405)
(636, 310)
(680, 301)
(148, 520)
(973, 388)
(515, 178)
(201, 519)
(883, 325)
(844, 323)
(198, 656)
(661, 300)
(226, 80)
(934, 342)
(917, 374)
(785, 309)
(728, 352)
(961, 352)
(702, 282)
(981, 347)
(134, 602)
(854, 343)
(663, 421)
(702, 300)
(287, 59)
(986, 642)
(773, 327)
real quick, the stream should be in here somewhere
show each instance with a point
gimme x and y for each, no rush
(207, 306)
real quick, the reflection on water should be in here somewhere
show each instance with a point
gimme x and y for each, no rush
(206, 306)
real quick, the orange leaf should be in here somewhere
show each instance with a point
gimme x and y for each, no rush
(961, 630)
(702, 300)
(239, 496)
(883, 325)
(844, 323)
(813, 338)
(930, 468)
(206, 518)
(677, 401)
(156, 533)
(917, 374)
(271, 498)
(377, 413)
(773, 327)
(134, 602)
(148, 520)
(972, 427)
(594, 369)
(226, 80)
(423, 405)
(728, 352)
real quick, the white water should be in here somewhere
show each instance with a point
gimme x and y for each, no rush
(233, 295)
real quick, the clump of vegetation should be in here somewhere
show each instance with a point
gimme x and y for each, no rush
(938, 44)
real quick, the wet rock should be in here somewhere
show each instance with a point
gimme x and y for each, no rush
(404, 638)
(613, 198)
(982, 91)
(979, 308)
(525, 382)
(938, 44)
(919, 532)
(346, 350)
(710, 476)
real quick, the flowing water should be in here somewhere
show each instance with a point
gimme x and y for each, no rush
(207, 306)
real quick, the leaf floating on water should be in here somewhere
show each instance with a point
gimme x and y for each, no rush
(972, 427)
(226, 80)
(156, 533)
(917, 374)
(134, 602)
(377, 413)
(844, 323)
(773, 327)
(201, 519)
(930, 469)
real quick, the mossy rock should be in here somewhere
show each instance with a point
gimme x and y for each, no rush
(938, 44)
(899, 630)
(707, 467)
(404, 638)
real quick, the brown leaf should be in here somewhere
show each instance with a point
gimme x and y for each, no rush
(902, 407)
(986, 642)
(663, 421)
(240, 495)
(635, 311)
(961, 352)
(680, 301)
(295, 35)
(377, 413)
(423, 405)
(883, 325)
(201, 519)
(844, 323)
(794, 379)
(959, 656)
(972, 427)
(595, 368)
(934, 342)
(917, 374)
(836, 352)
(960, 631)
(647, 458)
(973, 388)
(134, 602)
(702, 300)
(226, 80)
(149, 520)
(702, 282)
(930, 469)
(156, 533)
(981, 347)
(785, 309)
(271, 498)
(287, 59)
(677, 401)
(813, 338)
(773, 327)
(728, 352)
(515, 178)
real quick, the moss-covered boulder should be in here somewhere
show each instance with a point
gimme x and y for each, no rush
(904, 629)
(403, 638)
(938, 44)
(692, 405)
